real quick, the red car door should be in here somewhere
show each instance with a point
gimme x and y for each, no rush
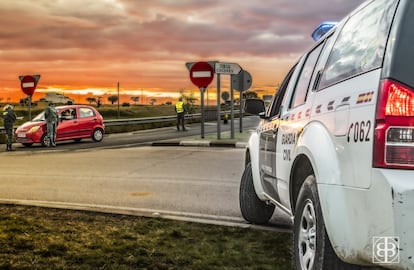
(87, 121)
(68, 124)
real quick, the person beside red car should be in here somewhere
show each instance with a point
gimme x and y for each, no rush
(52, 121)
(9, 117)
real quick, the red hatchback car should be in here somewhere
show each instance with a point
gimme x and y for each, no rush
(76, 122)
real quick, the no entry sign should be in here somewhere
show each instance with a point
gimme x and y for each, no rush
(201, 74)
(28, 83)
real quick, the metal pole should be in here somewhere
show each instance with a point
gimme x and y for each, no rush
(118, 99)
(30, 107)
(207, 98)
(218, 108)
(231, 109)
(241, 112)
(202, 111)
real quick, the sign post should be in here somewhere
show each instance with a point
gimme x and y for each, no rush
(229, 69)
(243, 81)
(28, 84)
(218, 109)
(201, 75)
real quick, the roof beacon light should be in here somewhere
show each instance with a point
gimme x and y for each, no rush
(322, 29)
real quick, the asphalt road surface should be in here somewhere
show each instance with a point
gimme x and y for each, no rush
(170, 178)
(125, 176)
(143, 137)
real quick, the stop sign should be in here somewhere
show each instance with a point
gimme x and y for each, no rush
(28, 84)
(201, 74)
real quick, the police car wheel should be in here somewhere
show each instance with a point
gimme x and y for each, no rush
(44, 140)
(97, 135)
(312, 247)
(253, 209)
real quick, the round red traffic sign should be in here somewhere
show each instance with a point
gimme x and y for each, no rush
(28, 84)
(201, 74)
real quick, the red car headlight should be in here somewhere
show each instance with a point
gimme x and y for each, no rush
(33, 129)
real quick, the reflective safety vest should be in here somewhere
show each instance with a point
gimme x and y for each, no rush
(179, 107)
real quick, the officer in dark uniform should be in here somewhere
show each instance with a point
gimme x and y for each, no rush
(52, 121)
(9, 117)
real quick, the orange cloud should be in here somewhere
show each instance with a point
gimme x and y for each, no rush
(93, 44)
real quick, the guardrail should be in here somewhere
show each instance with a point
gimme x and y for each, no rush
(147, 120)
(209, 116)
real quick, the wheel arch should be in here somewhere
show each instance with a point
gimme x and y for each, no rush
(247, 158)
(316, 154)
(316, 144)
(301, 168)
(252, 156)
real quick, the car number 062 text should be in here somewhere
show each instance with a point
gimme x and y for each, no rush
(359, 131)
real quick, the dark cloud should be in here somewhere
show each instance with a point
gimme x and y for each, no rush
(103, 38)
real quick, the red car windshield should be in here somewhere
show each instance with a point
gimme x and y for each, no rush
(39, 118)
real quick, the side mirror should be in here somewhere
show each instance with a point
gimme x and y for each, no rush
(255, 107)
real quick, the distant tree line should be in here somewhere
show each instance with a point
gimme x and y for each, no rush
(96, 100)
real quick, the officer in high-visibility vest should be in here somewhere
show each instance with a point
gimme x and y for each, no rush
(180, 110)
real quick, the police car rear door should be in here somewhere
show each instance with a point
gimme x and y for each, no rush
(268, 134)
(295, 115)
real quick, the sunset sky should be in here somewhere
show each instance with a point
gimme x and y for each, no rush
(87, 46)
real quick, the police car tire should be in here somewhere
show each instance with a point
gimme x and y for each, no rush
(252, 208)
(308, 209)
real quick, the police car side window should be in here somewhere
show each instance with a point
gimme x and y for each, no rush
(305, 76)
(361, 44)
(274, 109)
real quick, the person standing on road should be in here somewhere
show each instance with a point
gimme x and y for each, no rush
(52, 121)
(180, 110)
(9, 117)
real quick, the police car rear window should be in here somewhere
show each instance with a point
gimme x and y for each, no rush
(361, 44)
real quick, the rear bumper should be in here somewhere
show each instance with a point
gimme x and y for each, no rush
(368, 226)
(402, 194)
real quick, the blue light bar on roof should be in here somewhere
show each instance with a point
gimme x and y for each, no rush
(322, 29)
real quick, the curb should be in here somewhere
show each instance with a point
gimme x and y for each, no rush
(201, 144)
(150, 213)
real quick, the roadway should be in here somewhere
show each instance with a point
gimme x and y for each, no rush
(146, 137)
(123, 174)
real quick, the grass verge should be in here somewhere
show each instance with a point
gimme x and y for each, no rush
(43, 238)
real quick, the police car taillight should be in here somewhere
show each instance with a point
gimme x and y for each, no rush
(394, 130)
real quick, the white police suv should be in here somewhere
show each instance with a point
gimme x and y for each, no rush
(335, 148)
